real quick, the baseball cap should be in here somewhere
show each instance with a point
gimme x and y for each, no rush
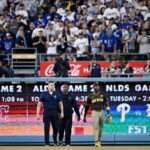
(95, 34)
(40, 13)
(108, 31)
(56, 16)
(125, 16)
(50, 24)
(114, 26)
(80, 33)
(40, 30)
(7, 34)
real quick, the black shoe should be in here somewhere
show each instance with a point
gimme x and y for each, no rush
(60, 143)
(55, 144)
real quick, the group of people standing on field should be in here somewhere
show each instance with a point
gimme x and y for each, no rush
(58, 110)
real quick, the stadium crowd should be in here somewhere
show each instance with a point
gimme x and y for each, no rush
(80, 28)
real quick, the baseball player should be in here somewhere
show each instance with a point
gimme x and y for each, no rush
(97, 100)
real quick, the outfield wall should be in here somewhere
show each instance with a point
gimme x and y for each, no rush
(130, 107)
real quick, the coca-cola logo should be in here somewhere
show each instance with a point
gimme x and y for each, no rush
(49, 70)
(75, 70)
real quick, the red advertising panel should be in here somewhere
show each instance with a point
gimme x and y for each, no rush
(81, 68)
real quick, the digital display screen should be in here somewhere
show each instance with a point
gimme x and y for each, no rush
(129, 103)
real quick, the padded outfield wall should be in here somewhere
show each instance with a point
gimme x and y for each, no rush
(130, 107)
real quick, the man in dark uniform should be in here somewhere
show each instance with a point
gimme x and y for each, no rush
(62, 66)
(50, 100)
(97, 100)
(95, 68)
(65, 123)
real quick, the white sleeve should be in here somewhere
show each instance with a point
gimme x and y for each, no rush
(75, 44)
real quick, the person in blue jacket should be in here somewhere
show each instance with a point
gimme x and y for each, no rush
(50, 101)
(65, 124)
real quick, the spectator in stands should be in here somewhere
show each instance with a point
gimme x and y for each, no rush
(128, 70)
(73, 29)
(36, 30)
(28, 34)
(3, 5)
(95, 45)
(147, 67)
(55, 22)
(94, 68)
(52, 44)
(111, 70)
(39, 42)
(82, 47)
(49, 16)
(22, 12)
(8, 72)
(66, 39)
(32, 7)
(125, 36)
(111, 13)
(7, 45)
(13, 25)
(144, 41)
(7, 30)
(20, 42)
(49, 30)
(109, 43)
(118, 34)
(85, 30)
(121, 67)
(71, 53)
(41, 20)
(132, 40)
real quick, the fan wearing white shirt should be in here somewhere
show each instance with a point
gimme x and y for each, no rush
(81, 44)
(111, 12)
(68, 15)
(22, 12)
(3, 4)
(73, 29)
(52, 48)
(49, 30)
(55, 22)
(36, 30)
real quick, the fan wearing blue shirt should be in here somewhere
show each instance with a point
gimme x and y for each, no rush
(50, 101)
(40, 19)
(7, 44)
(49, 16)
(118, 34)
(125, 24)
(109, 42)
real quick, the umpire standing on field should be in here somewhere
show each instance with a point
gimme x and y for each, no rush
(65, 124)
(97, 100)
(50, 101)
